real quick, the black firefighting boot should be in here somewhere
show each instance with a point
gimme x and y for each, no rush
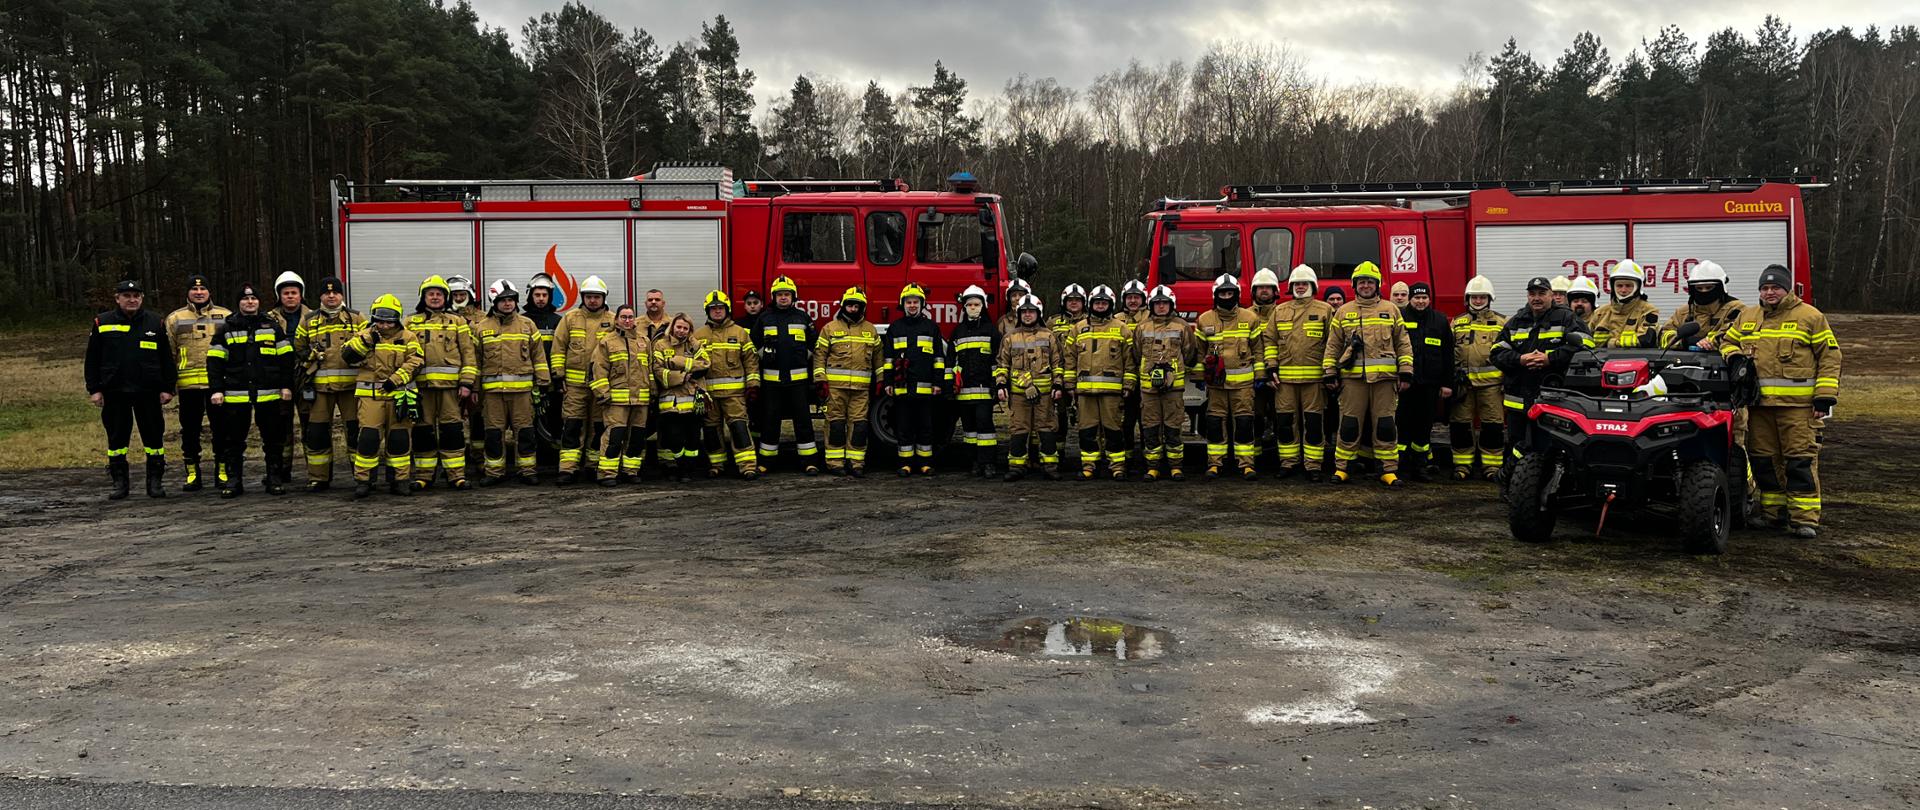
(156, 471)
(231, 484)
(396, 485)
(988, 469)
(277, 477)
(117, 471)
(362, 489)
(192, 469)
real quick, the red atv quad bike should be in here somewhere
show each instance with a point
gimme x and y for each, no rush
(1641, 429)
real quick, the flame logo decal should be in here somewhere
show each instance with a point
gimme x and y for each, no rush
(569, 291)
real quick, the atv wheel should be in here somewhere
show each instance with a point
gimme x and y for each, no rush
(1706, 508)
(1737, 483)
(1529, 514)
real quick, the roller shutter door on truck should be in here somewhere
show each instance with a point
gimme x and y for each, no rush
(680, 257)
(1669, 249)
(393, 257)
(568, 250)
(1508, 255)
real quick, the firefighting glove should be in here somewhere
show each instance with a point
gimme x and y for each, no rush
(1406, 377)
(539, 397)
(821, 391)
(1824, 406)
(1330, 380)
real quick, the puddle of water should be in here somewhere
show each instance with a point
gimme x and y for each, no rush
(1084, 637)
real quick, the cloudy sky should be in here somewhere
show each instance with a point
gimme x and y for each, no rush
(1414, 43)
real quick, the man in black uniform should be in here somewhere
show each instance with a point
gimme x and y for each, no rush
(1539, 341)
(784, 335)
(1432, 337)
(130, 374)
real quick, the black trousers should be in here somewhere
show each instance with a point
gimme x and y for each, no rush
(195, 411)
(913, 418)
(121, 411)
(679, 440)
(1419, 408)
(270, 417)
(782, 402)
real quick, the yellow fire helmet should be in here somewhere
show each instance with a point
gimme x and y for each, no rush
(386, 309)
(783, 284)
(1367, 270)
(912, 290)
(435, 281)
(855, 295)
(718, 298)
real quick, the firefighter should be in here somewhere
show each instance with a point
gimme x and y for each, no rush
(1073, 310)
(1431, 335)
(733, 371)
(754, 306)
(1708, 304)
(514, 379)
(844, 361)
(446, 378)
(388, 357)
(1401, 294)
(973, 347)
(291, 292)
(1370, 355)
(1232, 358)
(545, 315)
(318, 345)
(1030, 378)
(1797, 359)
(250, 371)
(1628, 320)
(622, 381)
(1164, 348)
(915, 370)
(191, 329)
(1099, 367)
(130, 372)
(1476, 383)
(581, 417)
(1296, 338)
(1133, 310)
(1266, 296)
(1535, 344)
(785, 338)
(679, 363)
(1582, 297)
(657, 322)
(1562, 287)
(1017, 289)
(462, 300)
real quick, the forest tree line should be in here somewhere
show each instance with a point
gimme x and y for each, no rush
(163, 137)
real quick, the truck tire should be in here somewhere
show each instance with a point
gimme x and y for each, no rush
(1706, 508)
(1530, 514)
(880, 423)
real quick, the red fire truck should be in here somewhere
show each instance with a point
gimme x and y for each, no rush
(1444, 233)
(684, 230)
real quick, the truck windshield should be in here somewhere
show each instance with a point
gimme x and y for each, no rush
(1199, 255)
(954, 239)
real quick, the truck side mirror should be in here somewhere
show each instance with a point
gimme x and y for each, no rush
(989, 241)
(931, 217)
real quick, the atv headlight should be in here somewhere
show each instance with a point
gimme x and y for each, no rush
(1559, 424)
(1671, 429)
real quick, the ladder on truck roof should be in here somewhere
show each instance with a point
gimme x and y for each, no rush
(775, 187)
(1455, 188)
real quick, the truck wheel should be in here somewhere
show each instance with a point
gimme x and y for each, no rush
(1529, 512)
(1706, 508)
(880, 422)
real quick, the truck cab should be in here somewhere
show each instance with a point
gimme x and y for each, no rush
(1186, 247)
(877, 235)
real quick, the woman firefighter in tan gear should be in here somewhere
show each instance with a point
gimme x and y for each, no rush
(1477, 397)
(735, 370)
(1029, 380)
(1296, 341)
(679, 365)
(1164, 348)
(622, 381)
(1629, 320)
(388, 356)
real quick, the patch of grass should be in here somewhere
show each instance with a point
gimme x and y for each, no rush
(1878, 398)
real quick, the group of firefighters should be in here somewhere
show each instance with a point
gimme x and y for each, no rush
(421, 391)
